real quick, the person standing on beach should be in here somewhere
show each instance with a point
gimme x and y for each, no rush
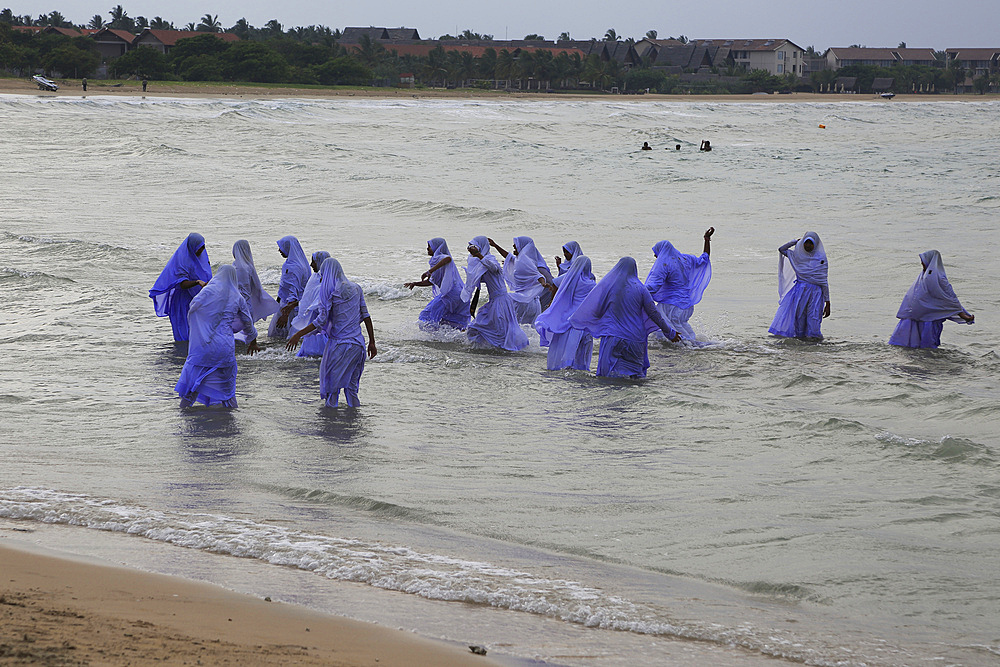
(803, 288)
(622, 314)
(294, 275)
(678, 281)
(340, 311)
(495, 324)
(184, 275)
(209, 373)
(145, 82)
(84, 82)
(446, 306)
(313, 344)
(928, 303)
(568, 347)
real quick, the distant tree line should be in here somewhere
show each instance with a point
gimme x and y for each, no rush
(313, 55)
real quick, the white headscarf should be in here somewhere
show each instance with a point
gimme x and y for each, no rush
(260, 302)
(810, 267)
(931, 296)
(476, 268)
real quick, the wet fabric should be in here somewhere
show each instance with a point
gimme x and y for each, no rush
(340, 310)
(797, 263)
(169, 298)
(314, 343)
(621, 312)
(522, 273)
(496, 323)
(219, 310)
(261, 303)
(446, 305)
(927, 304)
(800, 312)
(803, 289)
(294, 275)
(568, 347)
(677, 278)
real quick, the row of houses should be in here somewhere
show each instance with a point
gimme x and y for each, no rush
(776, 56)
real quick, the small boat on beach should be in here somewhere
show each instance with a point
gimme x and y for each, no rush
(45, 84)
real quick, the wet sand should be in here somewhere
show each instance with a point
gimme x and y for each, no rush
(61, 611)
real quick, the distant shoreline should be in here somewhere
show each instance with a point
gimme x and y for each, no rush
(73, 88)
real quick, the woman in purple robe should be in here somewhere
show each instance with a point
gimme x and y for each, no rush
(209, 373)
(622, 314)
(928, 303)
(446, 305)
(340, 312)
(184, 275)
(568, 347)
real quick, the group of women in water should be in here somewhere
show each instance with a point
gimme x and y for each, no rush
(319, 308)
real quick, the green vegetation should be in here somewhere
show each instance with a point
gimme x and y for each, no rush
(312, 55)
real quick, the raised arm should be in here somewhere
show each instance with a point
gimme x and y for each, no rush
(708, 241)
(503, 253)
(784, 249)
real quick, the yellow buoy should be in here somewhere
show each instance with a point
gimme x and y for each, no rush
(822, 126)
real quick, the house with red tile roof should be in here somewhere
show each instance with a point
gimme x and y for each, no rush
(165, 40)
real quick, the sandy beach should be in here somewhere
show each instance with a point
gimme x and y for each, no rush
(59, 611)
(73, 88)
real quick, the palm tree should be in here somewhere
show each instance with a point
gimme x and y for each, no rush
(190, 27)
(274, 28)
(564, 37)
(651, 34)
(120, 19)
(209, 23)
(505, 67)
(96, 22)
(160, 24)
(370, 52)
(611, 35)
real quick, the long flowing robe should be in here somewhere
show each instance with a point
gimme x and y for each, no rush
(169, 298)
(294, 276)
(341, 309)
(496, 322)
(313, 344)
(621, 312)
(569, 347)
(262, 304)
(209, 373)
(677, 283)
(522, 272)
(927, 304)
(446, 305)
(803, 289)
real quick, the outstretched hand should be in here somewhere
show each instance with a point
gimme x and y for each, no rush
(409, 286)
(252, 347)
(293, 342)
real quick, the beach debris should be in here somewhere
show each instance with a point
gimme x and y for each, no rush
(267, 599)
(477, 649)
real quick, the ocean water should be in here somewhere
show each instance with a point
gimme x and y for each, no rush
(832, 504)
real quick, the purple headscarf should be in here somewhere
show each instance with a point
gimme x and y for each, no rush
(677, 278)
(294, 272)
(931, 296)
(574, 286)
(614, 307)
(184, 265)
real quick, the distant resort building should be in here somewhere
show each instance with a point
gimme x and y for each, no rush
(980, 61)
(775, 56)
(838, 57)
(165, 40)
(113, 43)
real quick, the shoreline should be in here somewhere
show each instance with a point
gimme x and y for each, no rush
(57, 608)
(195, 90)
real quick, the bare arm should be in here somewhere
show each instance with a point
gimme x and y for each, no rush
(372, 350)
(503, 253)
(293, 342)
(649, 306)
(708, 241)
(187, 284)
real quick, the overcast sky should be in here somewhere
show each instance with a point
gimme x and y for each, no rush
(920, 23)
